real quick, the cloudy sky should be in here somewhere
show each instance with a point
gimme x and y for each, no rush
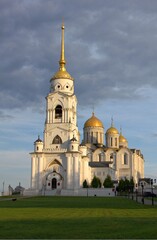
(111, 51)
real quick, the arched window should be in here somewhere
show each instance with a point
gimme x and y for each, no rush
(125, 159)
(54, 183)
(99, 157)
(91, 137)
(111, 142)
(57, 140)
(111, 157)
(116, 142)
(58, 111)
(96, 139)
(87, 138)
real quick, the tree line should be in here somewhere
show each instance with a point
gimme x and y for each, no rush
(96, 183)
(124, 185)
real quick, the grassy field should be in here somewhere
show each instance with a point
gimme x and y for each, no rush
(77, 218)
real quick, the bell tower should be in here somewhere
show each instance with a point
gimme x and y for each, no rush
(61, 107)
(56, 159)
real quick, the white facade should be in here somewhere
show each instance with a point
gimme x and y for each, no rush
(59, 161)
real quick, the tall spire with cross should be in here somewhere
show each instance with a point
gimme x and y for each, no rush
(112, 124)
(62, 61)
(62, 73)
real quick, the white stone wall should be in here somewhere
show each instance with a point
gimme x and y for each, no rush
(94, 135)
(112, 140)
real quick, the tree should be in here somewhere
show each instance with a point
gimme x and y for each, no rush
(108, 182)
(132, 184)
(85, 184)
(125, 185)
(120, 187)
(96, 183)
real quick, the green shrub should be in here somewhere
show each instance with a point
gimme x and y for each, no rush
(96, 183)
(85, 184)
(108, 182)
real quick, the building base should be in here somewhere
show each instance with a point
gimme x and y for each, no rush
(84, 192)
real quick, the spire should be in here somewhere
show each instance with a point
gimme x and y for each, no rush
(120, 130)
(93, 108)
(62, 61)
(62, 73)
(112, 125)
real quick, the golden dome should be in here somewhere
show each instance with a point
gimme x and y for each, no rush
(62, 74)
(93, 122)
(112, 130)
(122, 139)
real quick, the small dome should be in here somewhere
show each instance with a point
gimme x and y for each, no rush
(122, 139)
(61, 74)
(93, 122)
(112, 130)
(38, 140)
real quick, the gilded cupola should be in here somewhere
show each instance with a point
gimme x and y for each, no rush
(122, 140)
(112, 129)
(93, 131)
(93, 122)
(112, 137)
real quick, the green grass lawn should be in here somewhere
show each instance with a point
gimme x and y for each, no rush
(77, 218)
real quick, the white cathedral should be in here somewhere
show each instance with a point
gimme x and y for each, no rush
(59, 162)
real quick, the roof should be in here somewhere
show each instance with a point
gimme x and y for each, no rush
(93, 122)
(38, 140)
(98, 164)
(112, 130)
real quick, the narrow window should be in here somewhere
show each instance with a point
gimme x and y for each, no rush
(116, 142)
(91, 137)
(125, 159)
(100, 137)
(96, 137)
(111, 142)
(58, 111)
(111, 157)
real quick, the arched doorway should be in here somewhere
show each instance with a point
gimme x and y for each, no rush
(54, 183)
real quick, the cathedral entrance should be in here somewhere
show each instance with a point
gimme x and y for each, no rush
(54, 183)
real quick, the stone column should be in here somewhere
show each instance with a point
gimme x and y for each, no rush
(68, 175)
(76, 173)
(33, 173)
(48, 116)
(40, 166)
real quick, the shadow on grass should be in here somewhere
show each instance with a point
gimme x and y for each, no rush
(80, 228)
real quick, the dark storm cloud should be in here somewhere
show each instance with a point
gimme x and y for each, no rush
(110, 48)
